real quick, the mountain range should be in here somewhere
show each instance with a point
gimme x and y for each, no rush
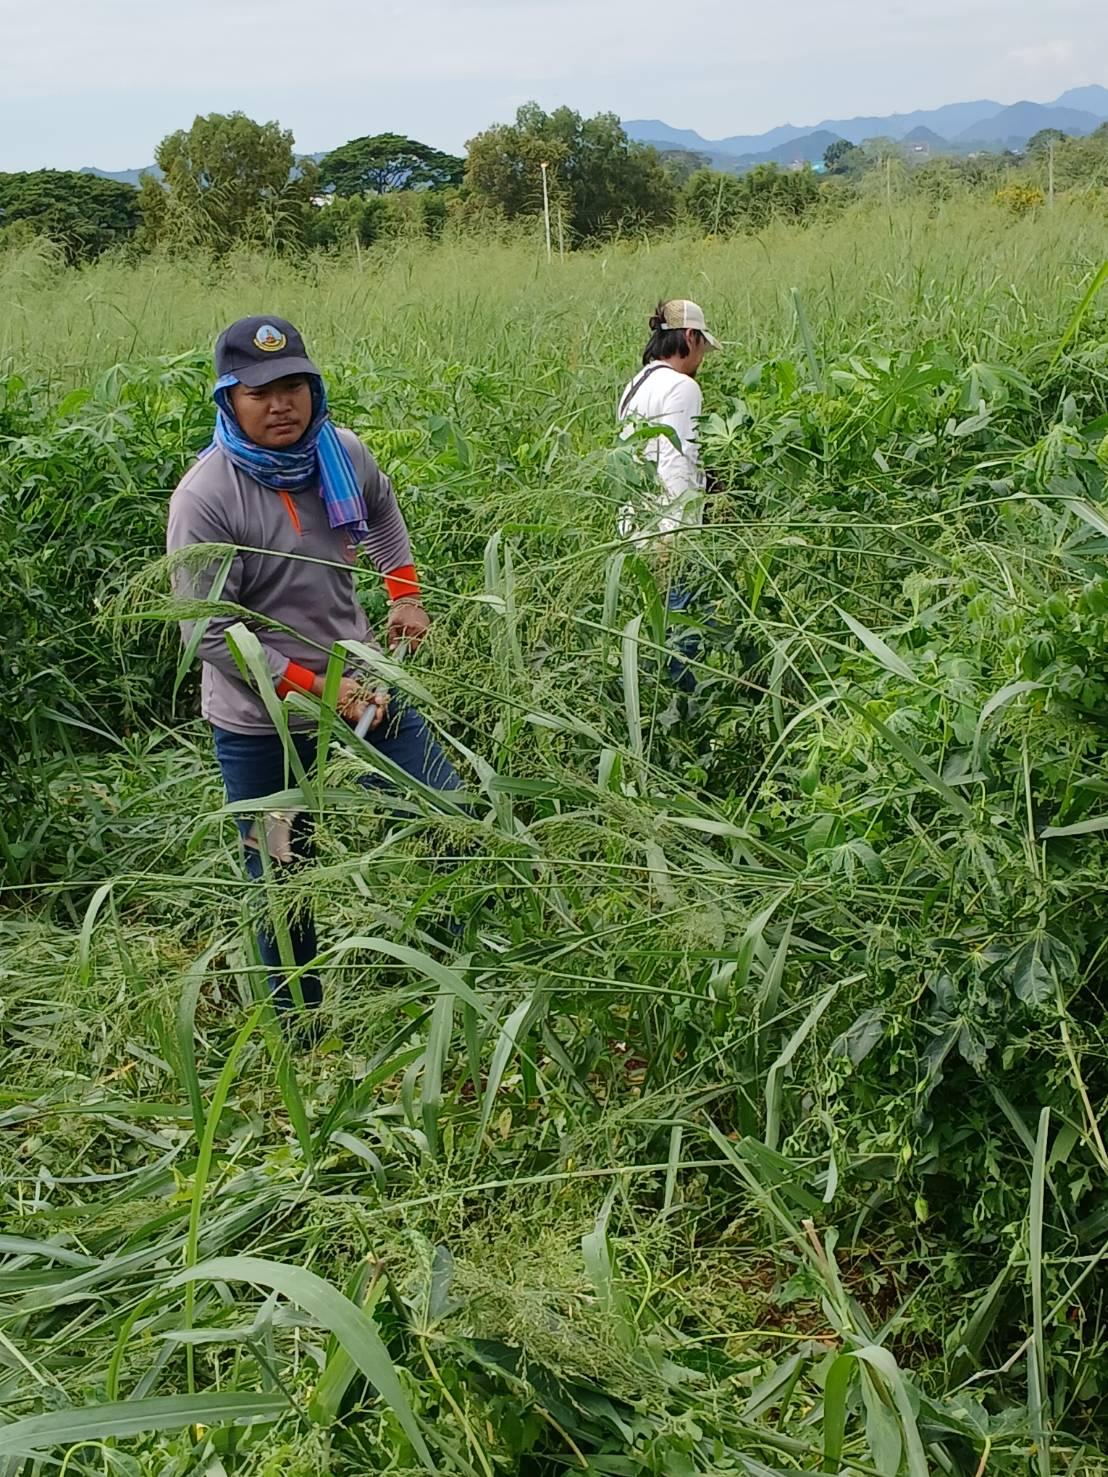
(134, 176)
(959, 127)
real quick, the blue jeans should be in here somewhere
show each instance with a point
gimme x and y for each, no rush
(255, 764)
(680, 601)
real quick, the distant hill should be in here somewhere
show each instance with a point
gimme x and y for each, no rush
(984, 122)
(925, 138)
(759, 143)
(725, 163)
(1015, 125)
(806, 148)
(1087, 99)
(123, 176)
(809, 148)
(134, 176)
(662, 136)
(946, 122)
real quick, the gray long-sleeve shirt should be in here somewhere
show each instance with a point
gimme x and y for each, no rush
(215, 503)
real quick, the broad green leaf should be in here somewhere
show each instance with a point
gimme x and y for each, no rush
(394, 673)
(998, 700)
(917, 761)
(192, 646)
(446, 978)
(204, 1164)
(775, 1390)
(361, 1150)
(250, 658)
(630, 663)
(1038, 1402)
(518, 1021)
(25, 1246)
(185, 1034)
(340, 1369)
(883, 1432)
(881, 1360)
(1079, 828)
(612, 577)
(88, 923)
(354, 1328)
(601, 1271)
(434, 1063)
(68, 1427)
(965, 1344)
(878, 648)
(439, 1302)
(790, 1049)
(1031, 976)
(673, 1160)
(1074, 325)
(1088, 512)
(835, 1389)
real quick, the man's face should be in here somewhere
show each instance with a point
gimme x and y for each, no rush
(697, 352)
(274, 415)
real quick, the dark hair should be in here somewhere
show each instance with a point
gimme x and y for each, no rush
(667, 343)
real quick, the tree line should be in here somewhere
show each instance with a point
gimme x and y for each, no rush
(228, 181)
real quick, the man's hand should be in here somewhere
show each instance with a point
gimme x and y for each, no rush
(409, 622)
(353, 701)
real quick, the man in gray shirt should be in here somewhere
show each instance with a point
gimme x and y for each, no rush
(295, 497)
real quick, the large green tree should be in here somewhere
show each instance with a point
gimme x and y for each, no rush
(843, 157)
(228, 179)
(383, 162)
(1039, 143)
(601, 179)
(81, 212)
(682, 164)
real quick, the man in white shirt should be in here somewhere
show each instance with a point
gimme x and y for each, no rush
(665, 393)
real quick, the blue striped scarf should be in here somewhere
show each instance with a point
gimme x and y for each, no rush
(318, 454)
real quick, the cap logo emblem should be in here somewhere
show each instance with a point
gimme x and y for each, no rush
(269, 339)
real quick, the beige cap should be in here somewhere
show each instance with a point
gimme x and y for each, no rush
(681, 313)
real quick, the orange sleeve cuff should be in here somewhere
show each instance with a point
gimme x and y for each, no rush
(402, 582)
(296, 679)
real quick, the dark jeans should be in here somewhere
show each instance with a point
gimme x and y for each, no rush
(680, 601)
(254, 764)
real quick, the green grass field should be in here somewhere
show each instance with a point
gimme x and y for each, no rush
(754, 1122)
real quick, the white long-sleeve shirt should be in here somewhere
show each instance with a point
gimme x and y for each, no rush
(664, 396)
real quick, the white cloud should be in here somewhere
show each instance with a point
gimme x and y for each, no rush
(1047, 55)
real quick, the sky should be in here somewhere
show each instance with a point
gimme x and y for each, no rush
(101, 81)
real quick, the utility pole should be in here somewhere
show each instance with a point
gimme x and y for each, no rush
(546, 212)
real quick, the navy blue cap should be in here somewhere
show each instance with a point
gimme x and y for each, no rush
(259, 350)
